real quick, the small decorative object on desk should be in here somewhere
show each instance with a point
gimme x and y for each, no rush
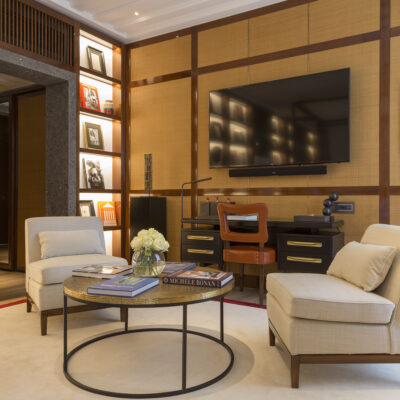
(148, 258)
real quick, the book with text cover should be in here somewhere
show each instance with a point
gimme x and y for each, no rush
(215, 279)
(171, 267)
(102, 271)
(128, 286)
(107, 212)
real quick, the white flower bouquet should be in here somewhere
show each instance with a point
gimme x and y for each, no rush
(149, 246)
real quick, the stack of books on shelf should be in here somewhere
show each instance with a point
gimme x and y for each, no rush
(210, 279)
(102, 271)
(126, 286)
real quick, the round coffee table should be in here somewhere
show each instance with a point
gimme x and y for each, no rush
(163, 295)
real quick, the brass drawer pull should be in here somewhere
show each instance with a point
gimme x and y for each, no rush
(200, 251)
(195, 237)
(304, 259)
(303, 244)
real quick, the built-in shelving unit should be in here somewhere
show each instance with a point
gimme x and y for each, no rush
(101, 133)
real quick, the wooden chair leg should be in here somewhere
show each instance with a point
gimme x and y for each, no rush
(123, 314)
(43, 323)
(28, 304)
(295, 371)
(261, 286)
(271, 337)
(241, 277)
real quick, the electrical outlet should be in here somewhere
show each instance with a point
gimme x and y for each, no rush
(343, 208)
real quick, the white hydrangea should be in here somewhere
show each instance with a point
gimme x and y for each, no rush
(149, 239)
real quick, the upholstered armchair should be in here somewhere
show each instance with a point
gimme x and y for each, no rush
(54, 246)
(320, 319)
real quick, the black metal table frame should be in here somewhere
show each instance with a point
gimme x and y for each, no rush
(184, 331)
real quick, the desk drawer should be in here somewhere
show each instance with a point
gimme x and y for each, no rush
(201, 237)
(201, 254)
(313, 245)
(289, 261)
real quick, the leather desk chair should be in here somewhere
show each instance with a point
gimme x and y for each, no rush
(252, 249)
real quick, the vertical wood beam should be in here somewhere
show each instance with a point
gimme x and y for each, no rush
(384, 114)
(194, 123)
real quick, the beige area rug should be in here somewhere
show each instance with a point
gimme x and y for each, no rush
(31, 365)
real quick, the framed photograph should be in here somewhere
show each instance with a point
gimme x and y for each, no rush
(96, 60)
(93, 135)
(93, 174)
(86, 208)
(89, 97)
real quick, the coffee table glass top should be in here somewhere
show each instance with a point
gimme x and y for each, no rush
(163, 294)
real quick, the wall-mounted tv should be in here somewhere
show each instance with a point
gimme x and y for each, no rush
(300, 120)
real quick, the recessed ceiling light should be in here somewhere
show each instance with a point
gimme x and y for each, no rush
(136, 13)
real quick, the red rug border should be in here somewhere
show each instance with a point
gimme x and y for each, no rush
(14, 303)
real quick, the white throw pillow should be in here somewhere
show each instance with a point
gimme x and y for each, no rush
(70, 243)
(363, 265)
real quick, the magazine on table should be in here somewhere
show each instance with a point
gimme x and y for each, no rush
(171, 267)
(128, 286)
(215, 279)
(102, 271)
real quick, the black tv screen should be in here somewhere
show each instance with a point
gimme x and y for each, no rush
(301, 120)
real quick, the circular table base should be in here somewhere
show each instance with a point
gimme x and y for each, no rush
(148, 395)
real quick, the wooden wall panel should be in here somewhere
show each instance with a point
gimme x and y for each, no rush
(161, 58)
(279, 30)
(225, 43)
(31, 165)
(395, 210)
(333, 19)
(208, 82)
(395, 111)
(395, 13)
(363, 61)
(160, 124)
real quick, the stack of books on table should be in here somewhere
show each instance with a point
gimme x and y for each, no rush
(210, 279)
(126, 286)
(171, 267)
(102, 271)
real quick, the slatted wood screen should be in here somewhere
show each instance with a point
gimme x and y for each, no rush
(35, 31)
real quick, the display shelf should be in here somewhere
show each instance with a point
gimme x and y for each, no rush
(99, 76)
(112, 228)
(112, 117)
(100, 152)
(81, 190)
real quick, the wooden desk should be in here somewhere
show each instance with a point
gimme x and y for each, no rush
(301, 246)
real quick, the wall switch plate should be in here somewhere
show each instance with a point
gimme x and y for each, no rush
(344, 207)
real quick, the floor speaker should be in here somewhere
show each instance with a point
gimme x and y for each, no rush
(148, 212)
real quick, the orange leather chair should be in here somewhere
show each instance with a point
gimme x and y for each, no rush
(252, 249)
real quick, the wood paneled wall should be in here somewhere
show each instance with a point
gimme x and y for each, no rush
(31, 140)
(292, 38)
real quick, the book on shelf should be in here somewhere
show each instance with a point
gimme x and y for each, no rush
(107, 213)
(215, 279)
(102, 271)
(171, 267)
(127, 286)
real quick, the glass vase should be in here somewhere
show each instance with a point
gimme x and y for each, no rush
(148, 262)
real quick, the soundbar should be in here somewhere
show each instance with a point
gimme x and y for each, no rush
(279, 171)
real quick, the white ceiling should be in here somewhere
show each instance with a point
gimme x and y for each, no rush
(8, 82)
(156, 17)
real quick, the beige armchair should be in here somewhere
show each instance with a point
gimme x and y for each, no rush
(44, 277)
(321, 319)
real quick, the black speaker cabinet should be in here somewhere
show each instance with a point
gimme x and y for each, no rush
(148, 212)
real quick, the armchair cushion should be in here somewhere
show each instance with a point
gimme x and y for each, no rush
(68, 243)
(327, 298)
(363, 265)
(56, 269)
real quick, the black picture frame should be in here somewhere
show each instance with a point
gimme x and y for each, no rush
(86, 208)
(94, 178)
(96, 64)
(93, 135)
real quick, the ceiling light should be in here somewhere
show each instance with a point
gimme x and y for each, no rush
(136, 13)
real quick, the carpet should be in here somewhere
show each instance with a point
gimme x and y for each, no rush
(31, 365)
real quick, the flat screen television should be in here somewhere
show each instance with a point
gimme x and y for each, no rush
(295, 121)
